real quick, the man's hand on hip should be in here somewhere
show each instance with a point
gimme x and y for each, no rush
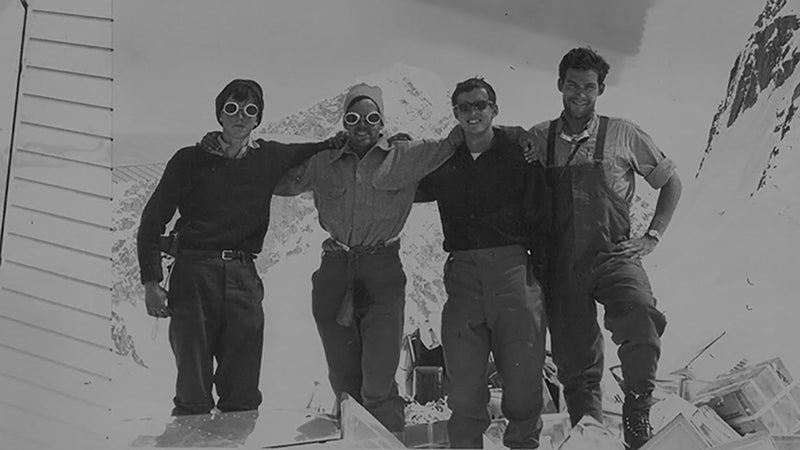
(635, 248)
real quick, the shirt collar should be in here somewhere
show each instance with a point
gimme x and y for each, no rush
(591, 127)
(382, 144)
(250, 143)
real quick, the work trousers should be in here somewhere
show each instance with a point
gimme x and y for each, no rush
(621, 285)
(363, 356)
(494, 303)
(216, 314)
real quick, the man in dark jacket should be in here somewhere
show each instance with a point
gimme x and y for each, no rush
(485, 193)
(215, 293)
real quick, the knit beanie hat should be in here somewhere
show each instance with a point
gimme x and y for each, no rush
(362, 90)
(241, 89)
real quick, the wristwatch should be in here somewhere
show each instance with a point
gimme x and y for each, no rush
(653, 234)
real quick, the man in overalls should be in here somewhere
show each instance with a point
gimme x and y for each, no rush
(591, 161)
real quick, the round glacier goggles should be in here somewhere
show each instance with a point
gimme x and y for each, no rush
(232, 108)
(352, 118)
(467, 107)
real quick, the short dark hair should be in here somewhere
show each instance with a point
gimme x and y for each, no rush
(240, 90)
(470, 85)
(583, 58)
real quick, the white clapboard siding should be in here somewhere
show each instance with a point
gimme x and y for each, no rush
(76, 324)
(83, 387)
(70, 233)
(55, 267)
(62, 145)
(56, 288)
(28, 423)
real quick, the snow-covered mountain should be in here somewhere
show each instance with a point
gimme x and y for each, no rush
(762, 99)
(732, 257)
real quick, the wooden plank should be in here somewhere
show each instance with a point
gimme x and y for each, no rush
(67, 351)
(679, 433)
(68, 174)
(70, 28)
(68, 382)
(69, 233)
(69, 204)
(63, 144)
(31, 423)
(67, 262)
(54, 317)
(786, 441)
(72, 410)
(82, 296)
(68, 86)
(63, 115)
(95, 8)
(359, 426)
(11, 438)
(72, 175)
(755, 441)
(82, 60)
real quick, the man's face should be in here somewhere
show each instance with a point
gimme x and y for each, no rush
(239, 125)
(362, 134)
(475, 111)
(579, 91)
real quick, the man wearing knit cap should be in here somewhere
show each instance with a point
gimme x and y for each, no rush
(214, 300)
(361, 336)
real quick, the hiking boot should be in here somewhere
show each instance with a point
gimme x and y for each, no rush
(636, 420)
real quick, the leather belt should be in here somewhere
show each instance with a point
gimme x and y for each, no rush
(225, 255)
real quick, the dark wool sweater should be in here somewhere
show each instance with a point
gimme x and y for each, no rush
(223, 203)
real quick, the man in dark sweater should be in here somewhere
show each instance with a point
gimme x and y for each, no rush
(484, 193)
(215, 293)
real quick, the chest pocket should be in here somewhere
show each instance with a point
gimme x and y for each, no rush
(330, 202)
(391, 204)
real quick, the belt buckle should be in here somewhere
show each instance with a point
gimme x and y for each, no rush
(228, 255)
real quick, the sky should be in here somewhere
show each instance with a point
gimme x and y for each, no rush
(669, 58)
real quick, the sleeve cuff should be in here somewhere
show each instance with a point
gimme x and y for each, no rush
(661, 174)
(151, 273)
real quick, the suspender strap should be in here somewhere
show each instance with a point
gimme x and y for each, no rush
(551, 143)
(599, 145)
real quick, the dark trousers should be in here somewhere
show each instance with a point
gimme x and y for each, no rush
(622, 287)
(363, 357)
(216, 314)
(495, 304)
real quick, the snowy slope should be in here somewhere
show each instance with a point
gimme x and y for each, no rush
(731, 259)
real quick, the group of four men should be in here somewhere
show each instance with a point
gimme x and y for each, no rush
(536, 226)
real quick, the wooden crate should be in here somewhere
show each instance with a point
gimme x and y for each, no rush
(427, 435)
(679, 433)
(763, 397)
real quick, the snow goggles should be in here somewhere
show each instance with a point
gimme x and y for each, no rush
(231, 109)
(467, 107)
(352, 118)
